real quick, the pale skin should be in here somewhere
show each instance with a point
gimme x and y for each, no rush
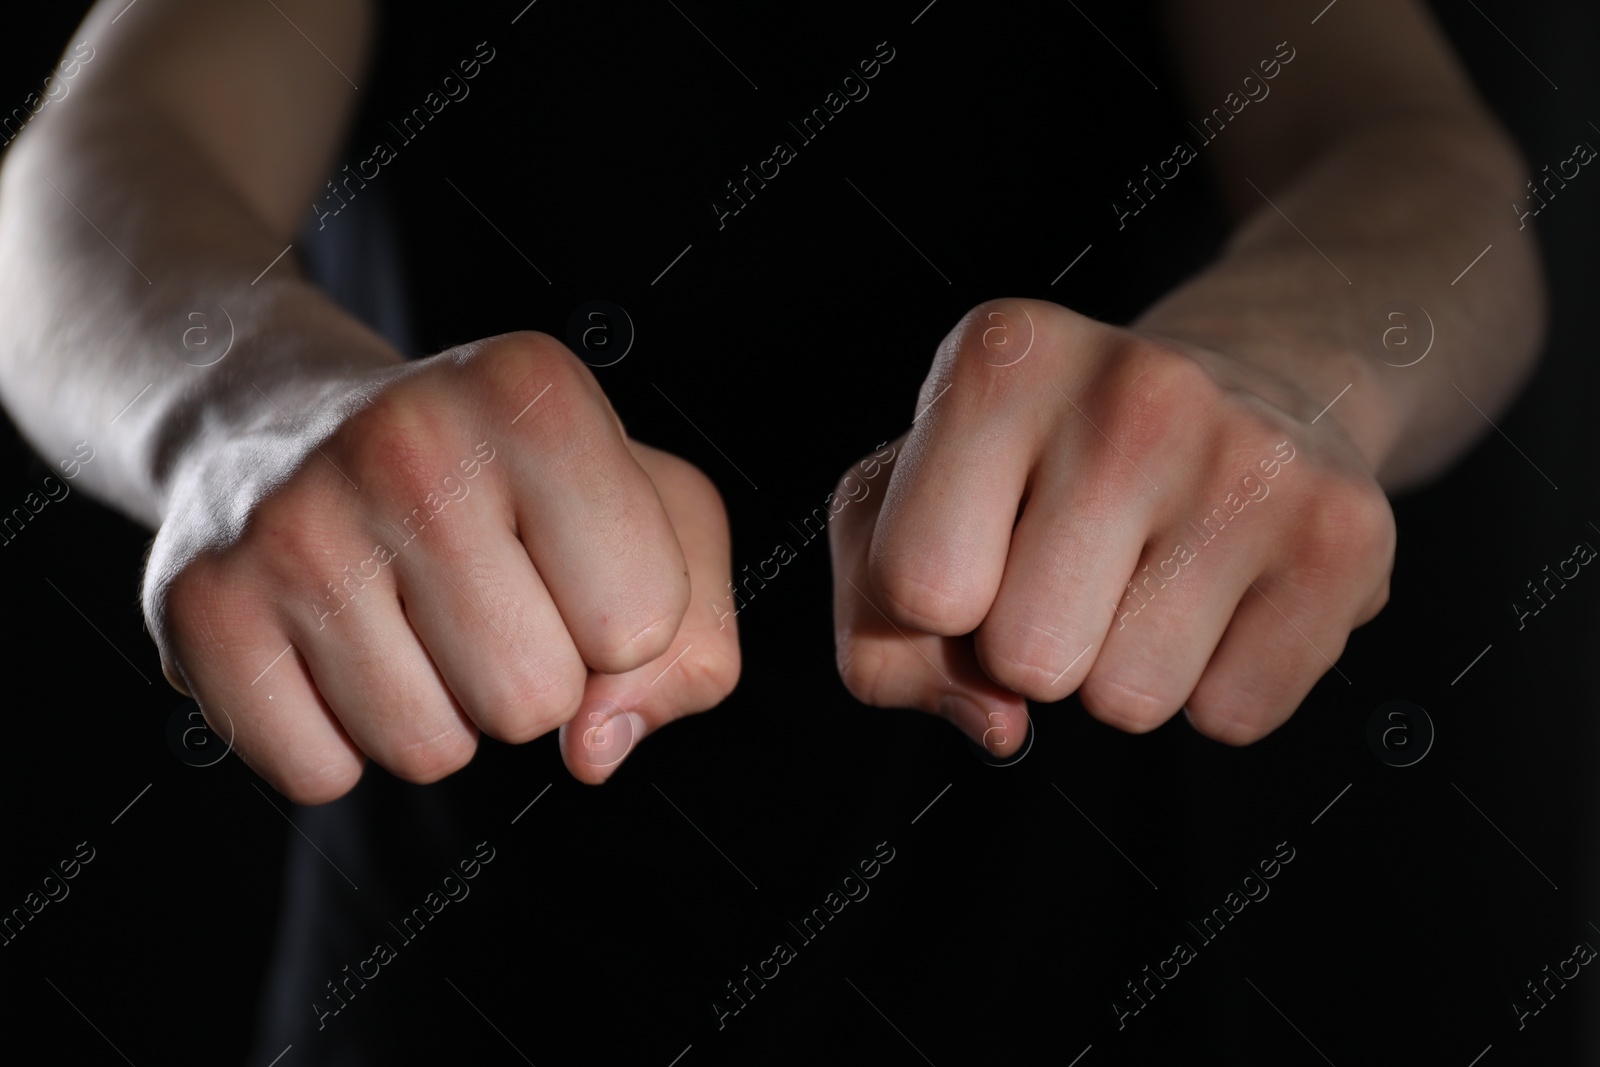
(1118, 439)
(556, 592)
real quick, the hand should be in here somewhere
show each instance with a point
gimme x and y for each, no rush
(1081, 507)
(467, 543)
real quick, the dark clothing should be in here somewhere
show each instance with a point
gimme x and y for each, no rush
(791, 236)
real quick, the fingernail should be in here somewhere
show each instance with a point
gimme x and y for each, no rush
(609, 733)
(998, 734)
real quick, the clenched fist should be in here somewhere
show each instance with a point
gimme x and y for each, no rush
(395, 560)
(1079, 507)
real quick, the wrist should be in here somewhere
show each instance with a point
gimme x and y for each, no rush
(1323, 382)
(295, 369)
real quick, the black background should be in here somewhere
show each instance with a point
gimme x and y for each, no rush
(796, 338)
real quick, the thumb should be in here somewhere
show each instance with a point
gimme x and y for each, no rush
(889, 666)
(701, 665)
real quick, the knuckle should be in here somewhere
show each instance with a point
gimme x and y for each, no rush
(291, 539)
(1370, 528)
(862, 666)
(201, 611)
(394, 442)
(506, 360)
(517, 714)
(188, 597)
(711, 674)
(1125, 707)
(1024, 657)
(540, 386)
(569, 428)
(1001, 332)
(693, 491)
(684, 478)
(1343, 532)
(623, 643)
(992, 337)
(429, 759)
(312, 785)
(1228, 725)
(1379, 601)
(914, 599)
(1154, 397)
(918, 591)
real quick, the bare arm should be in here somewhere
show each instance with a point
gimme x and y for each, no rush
(178, 165)
(461, 544)
(1135, 514)
(1376, 147)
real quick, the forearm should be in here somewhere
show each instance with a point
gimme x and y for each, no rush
(1395, 212)
(114, 228)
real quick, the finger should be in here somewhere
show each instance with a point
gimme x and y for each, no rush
(1068, 564)
(1169, 621)
(276, 721)
(1291, 625)
(255, 692)
(939, 550)
(884, 664)
(369, 666)
(585, 510)
(699, 668)
(488, 623)
(1275, 649)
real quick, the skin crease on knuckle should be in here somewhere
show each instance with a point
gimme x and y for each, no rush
(1231, 727)
(643, 631)
(319, 783)
(518, 709)
(429, 759)
(1025, 655)
(290, 547)
(1242, 708)
(862, 666)
(917, 595)
(711, 674)
(915, 574)
(1118, 704)
(573, 426)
